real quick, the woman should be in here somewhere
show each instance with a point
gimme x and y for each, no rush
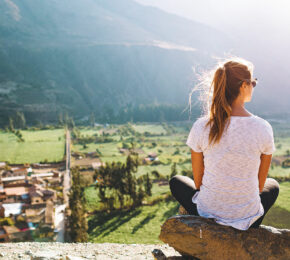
(231, 152)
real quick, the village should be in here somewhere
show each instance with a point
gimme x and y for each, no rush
(33, 197)
(28, 195)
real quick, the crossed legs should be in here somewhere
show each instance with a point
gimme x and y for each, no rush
(183, 188)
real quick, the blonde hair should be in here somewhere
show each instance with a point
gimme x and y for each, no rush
(218, 88)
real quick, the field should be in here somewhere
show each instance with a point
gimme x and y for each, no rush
(42, 145)
(142, 225)
(279, 215)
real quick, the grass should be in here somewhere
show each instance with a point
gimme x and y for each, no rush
(278, 171)
(151, 128)
(38, 146)
(141, 225)
(279, 215)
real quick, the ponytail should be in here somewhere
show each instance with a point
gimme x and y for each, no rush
(220, 110)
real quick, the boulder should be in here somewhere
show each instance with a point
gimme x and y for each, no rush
(203, 238)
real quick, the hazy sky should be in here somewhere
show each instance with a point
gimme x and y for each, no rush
(241, 18)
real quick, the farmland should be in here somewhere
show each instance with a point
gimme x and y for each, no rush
(142, 225)
(38, 146)
(167, 142)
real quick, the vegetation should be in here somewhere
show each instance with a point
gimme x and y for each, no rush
(39, 146)
(77, 204)
(117, 211)
(142, 225)
(118, 186)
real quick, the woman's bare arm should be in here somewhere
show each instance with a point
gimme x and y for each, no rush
(263, 170)
(197, 168)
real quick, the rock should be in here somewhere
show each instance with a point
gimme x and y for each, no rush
(46, 256)
(182, 211)
(202, 238)
(158, 254)
(28, 252)
(69, 257)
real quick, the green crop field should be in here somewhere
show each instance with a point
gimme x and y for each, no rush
(37, 146)
(279, 215)
(151, 128)
(142, 225)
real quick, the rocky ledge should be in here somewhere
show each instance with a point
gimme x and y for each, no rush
(82, 251)
(202, 238)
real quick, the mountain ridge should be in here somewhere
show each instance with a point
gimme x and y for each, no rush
(81, 56)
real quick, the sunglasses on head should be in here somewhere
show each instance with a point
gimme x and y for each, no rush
(253, 82)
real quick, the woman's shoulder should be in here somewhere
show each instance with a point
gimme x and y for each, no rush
(262, 122)
(201, 121)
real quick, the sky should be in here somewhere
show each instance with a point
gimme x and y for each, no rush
(262, 20)
(228, 14)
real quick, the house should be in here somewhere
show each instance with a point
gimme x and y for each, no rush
(12, 209)
(14, 175)
(13, 179)
(2, 192)
(2, 211)
(97, 165)
(150, 158)
(34, 213)
(92, 154)
(3, 236)
(2, 165)
(137, 150)
(152, 155)
(14, 234)
(15, 192)
(41, 196)
(19, 171)
(49, 214)
(124, 151)
(40, 214)
(87, 163)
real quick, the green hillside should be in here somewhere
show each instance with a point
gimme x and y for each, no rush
(93, 55)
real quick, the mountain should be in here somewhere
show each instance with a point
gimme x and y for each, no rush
(81, 56)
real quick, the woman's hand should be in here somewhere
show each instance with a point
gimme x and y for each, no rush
(197, 167)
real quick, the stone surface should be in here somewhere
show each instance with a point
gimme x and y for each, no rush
(83, 251)
(202, 238)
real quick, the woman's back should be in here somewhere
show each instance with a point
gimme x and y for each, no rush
(230, 189)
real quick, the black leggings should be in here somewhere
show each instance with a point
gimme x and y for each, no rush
(183, 188)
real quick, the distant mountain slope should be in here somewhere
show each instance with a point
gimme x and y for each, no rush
(81, 55)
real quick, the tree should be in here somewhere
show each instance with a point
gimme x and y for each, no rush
(117, 182)
(148, 185)
(173, 170)
(60, 119)
(77, 219)
(92, 119)
(19, 120)
(156, 174)
(11, 124)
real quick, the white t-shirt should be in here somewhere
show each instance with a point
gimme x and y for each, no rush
(230, 187)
